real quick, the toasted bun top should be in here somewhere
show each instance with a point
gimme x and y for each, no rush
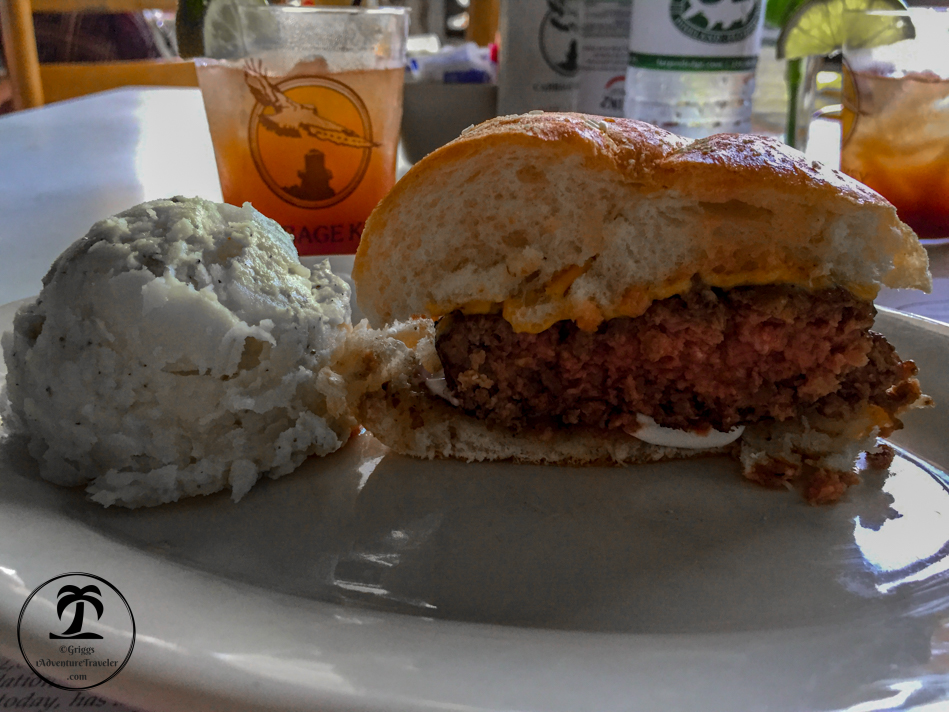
(553, 216)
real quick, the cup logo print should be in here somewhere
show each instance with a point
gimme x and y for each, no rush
(559, 32)
(716, 21)
(327, 117)
(99, 631)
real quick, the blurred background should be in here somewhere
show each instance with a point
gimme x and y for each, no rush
(473, 59)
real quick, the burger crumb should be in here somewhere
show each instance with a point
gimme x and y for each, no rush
(881, 457)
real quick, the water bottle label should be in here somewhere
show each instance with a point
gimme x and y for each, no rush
(692, 64)
(539, 55)
(604, 53)
(683, 35)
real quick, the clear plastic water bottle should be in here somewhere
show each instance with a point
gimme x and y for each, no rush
(692, 64)
(604, 49)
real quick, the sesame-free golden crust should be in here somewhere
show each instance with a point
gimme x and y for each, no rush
(648, 160)
(630, 147)
(712, 167)
(647, 155)
(726, 164)
(626, 145)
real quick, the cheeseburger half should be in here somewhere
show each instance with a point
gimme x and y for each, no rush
(562, 288)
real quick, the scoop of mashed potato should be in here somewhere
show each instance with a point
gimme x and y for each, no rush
(173, 352)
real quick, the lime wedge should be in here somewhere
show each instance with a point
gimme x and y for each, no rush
(819, 27)
(222, 33)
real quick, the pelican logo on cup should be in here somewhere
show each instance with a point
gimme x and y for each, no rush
(559, 36)
(327, 117)
(716, 21)
(76, 631)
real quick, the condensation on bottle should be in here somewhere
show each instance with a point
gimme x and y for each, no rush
(692, 65)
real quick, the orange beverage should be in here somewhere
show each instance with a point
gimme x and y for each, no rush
(896, 140)
(306, 149)
(306, 127)
(896, 112)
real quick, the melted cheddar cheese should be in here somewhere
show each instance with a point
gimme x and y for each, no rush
(538, 310)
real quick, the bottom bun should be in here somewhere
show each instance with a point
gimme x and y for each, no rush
(379, 376)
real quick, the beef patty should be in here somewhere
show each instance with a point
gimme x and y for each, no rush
(707, 359)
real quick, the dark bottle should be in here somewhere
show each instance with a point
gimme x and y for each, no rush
(189, 22)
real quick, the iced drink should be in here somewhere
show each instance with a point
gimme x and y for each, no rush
(897, 142)
(896, 119)
(305, 123)
(306, 148)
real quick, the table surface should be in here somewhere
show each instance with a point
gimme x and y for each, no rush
(65, 166)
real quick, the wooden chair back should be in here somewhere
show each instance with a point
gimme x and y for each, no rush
(35, 84)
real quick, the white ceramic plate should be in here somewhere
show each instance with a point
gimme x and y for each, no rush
(374, 582)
